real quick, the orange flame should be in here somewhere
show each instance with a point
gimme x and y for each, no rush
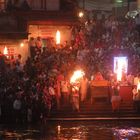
(5, 51)
(76, 76)
(58, 37)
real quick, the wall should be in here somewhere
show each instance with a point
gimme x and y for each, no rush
(49, 5)
(14, 47)
(52, 5)
(45, 31)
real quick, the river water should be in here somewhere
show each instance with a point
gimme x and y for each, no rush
(73, 130)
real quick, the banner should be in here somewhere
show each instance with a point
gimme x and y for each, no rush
(100, 83)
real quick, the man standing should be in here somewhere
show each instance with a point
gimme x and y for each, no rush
(65, 91)
(83, 88)
(136, 98)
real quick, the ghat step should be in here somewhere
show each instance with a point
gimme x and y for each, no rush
(97, 109)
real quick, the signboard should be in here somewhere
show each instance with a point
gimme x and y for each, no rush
(100, 83)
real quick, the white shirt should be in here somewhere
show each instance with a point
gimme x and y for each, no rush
(17, 104)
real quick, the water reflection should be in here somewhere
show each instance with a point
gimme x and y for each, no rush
(13, 132)
(95, 130)
(74, 130)
(127, 133)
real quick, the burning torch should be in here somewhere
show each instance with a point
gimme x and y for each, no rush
(75, 79)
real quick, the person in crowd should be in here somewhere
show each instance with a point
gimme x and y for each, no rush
(38, 43)
(47, 99)
(136, 80)
(52, 93)
(75, 98)
(136, 98)
(59, 79)
(115, 98)
(29, 115)
(2, 63)
(130, 79)
(65, 91)
(32, 46)
(98, 76)
(12, 62)
(17, 109)
(83, 88)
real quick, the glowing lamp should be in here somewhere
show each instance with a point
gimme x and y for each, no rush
(58, 37)
(81, 14)
(21, 44)
(59, 129)
(5, 51)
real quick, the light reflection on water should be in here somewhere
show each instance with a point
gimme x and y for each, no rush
(97, 131)
(74, 130)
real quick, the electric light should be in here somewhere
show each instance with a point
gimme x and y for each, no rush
(81, 14)
(21, 44)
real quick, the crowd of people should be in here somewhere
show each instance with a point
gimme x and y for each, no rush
(30, 91)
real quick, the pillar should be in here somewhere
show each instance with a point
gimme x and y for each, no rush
(138, 4)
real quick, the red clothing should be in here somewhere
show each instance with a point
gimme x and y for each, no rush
(60, 78)
(99, 76)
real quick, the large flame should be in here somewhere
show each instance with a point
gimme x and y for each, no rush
(77, 75)
(58, 37)
(5, 51)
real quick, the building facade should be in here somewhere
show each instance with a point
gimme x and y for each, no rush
(22, 19)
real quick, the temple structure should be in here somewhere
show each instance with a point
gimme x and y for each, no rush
(20, 20)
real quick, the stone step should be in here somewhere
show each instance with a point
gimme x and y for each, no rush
(97, 109)
(98, 106)
(117, 114)
(108, 112)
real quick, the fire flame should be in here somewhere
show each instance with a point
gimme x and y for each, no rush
(75, 88)
(5, 51)
(138, 86)
(58, 37)
(77, 75)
